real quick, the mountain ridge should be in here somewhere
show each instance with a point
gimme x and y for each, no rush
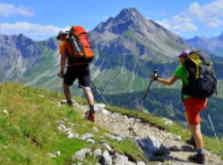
(212, 45)
(140, 30)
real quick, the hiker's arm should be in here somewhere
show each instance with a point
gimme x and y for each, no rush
(170, 81)
(62, 63)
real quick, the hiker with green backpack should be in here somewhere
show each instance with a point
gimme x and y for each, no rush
(199, 83)
(76, 55)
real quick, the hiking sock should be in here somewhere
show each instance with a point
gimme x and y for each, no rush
(91, 109)
(191, 141)
(90, 115)
(200, 151)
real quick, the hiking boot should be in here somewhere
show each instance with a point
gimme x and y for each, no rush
(67, 102)
(90, 116)
(70, 103)
(198, 158)
(191, 141)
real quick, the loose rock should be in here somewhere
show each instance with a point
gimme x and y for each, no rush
(107, 158)
(80, 155)
(97, 152)
(87, 136)
(120, 159)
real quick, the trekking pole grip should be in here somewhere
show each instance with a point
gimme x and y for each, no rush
(155, 75)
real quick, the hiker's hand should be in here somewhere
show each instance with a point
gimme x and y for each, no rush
(60, 74)
(154, 76)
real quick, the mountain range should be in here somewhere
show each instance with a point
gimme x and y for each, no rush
(212, 45)
(128, 47)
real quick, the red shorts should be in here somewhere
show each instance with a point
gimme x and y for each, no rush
(193, 107)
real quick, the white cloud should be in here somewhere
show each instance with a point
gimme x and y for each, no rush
(7, 10)
(29, 29)
(209, 15)
(179, 23)
(196, 10)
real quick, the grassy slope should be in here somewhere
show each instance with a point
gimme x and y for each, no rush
(41, 74)
(29, 117)
(28, 129)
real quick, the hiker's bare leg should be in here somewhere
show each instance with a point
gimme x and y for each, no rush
(67, 92)
(196, 131)
(90, 98)
(188, 124)
(185, 115)
(89, 95)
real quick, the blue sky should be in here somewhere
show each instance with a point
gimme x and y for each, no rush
(40, 19)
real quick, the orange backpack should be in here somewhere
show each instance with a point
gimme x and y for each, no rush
(80, 41)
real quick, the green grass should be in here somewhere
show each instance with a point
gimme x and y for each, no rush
(47, 60)
(128, 147)
(28, 129)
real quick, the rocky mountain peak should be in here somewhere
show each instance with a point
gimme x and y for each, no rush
(22, 40)
(195, 38)
(129, 14)
(126, 19)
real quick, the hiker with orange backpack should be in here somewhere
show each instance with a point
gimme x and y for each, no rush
(76, 55)
(199, 83)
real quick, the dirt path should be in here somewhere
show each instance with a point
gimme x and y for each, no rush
(134, 128)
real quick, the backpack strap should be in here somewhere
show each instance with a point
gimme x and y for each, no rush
(196, 59)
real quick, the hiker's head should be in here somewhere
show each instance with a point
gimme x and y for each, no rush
(61, 35)
(182, 55)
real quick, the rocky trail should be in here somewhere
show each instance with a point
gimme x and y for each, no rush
(148, 137)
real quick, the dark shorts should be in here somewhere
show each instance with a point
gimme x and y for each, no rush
(81, 73)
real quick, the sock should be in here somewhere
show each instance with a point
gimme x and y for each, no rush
(91, 108)
(200, 151)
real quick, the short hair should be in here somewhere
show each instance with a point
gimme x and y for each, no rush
(61, 33)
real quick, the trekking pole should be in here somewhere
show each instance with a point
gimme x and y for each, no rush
(155, 74)
(147, 90)
(140, 103)
(212, 125)
(99, 93)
